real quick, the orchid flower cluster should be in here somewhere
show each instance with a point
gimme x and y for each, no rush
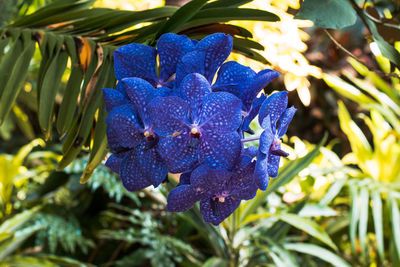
(167, 116)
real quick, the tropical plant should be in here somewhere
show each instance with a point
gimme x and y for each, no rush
(374, 183)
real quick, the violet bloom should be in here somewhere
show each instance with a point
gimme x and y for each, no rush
(232, 77)
(200, 127)
(130, 135)
(137, 60)
(219, 191)
(274, 118)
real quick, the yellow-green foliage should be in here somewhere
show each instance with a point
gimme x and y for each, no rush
(10, 169)
(382, 161)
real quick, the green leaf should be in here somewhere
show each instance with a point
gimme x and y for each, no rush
(317, 210)
(3, 42)
(19, 260)
(247, 43)
(308, 226)
(71, 93)
(15, 222)
(358, 141)
(214, 15)
(380, 83)
(227, 14)
(226, 3)
(280, 256)
(90, 65)
(70, 99)
(50, 85)
(354, 217)
(331, 14)
(386, 49)
(99, 148)
(395, 213)
(215, 262)
(17, 76)
(378, 224)
(116, 20)
(387, 113)
(346, 89)
(332, 192)
(381, 97)
(318, 252)
(363, 224)
(182, 15)
(57, 7)
(8, 61)
(80, 133)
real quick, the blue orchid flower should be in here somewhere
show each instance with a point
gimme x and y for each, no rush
(199, 127)
(131, 138)
(274, 118)
(137, 60)
(246, 84)
(219, 191)
(232, 77)
(206, 58)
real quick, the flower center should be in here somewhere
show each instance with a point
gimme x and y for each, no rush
(275, 144)
(275, 149)
(221, 196)
(149, 134)
(195, 131)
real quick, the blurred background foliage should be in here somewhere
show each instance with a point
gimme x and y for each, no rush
(334, 203)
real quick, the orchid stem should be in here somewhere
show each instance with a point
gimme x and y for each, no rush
(250, 139)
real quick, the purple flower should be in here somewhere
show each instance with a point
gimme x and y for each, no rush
(274, 118)
(206, 58)
(137, 60)
(246, 84)
(198, 127)
(233, 77)
(131, 138)
(219, 191)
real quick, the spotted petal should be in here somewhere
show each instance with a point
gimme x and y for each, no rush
(217, 48)
(131, 175)
(171, 47)
(194, 88)
(207, 57)
(123, 125)
(142, 167)
(136, 60)
(266, 137)
(255, 85)
(208, 180)
(255, 108)
(273, 165)
(140, 92)
(220, 151)
(274, 106)
(113, 98)
(216, 212)
(221, 113)
(284, 121)
(242, 185)
(180, 153)
(192, 62)
(182, 198)
(168, 115)
(114, 161)
(261, 177)
(231, 78)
